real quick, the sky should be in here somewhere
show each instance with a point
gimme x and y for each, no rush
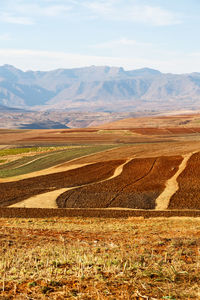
(51, 34)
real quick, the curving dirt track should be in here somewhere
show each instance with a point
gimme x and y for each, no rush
(137, 187)
(171, 186)
(188, 195)
(13, 192)
(48, 200)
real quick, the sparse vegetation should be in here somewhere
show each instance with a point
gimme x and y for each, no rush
(82, 258)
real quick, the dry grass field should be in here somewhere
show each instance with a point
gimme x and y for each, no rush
(87, 258)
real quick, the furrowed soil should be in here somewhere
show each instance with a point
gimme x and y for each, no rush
(90, 259)
(188, 194)
(48, 200)
(138, 186)
(13, 192)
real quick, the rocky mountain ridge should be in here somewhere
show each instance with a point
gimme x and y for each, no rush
(98, 89)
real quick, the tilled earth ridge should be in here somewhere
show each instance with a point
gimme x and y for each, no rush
(13, 192)
(188, 194)
(138, 186)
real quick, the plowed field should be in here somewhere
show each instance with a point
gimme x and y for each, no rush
(188, 195)
(140, 183)
(13, 192)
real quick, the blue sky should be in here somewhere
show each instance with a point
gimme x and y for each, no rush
(49, 34)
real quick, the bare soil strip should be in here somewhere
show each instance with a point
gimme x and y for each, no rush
(48, 200)
(162, 202)
(20, 212)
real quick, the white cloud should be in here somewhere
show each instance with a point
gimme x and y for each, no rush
(14, 19)
(45, 60)
(5, 37)
(122, 42)
(36, 9)
(119, 11)
(25, 12)
(55, 10)
(153, 15)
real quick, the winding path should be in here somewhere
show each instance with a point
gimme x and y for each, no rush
(48, 200)
(171, 186)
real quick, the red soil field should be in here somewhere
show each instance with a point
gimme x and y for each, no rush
(166, 131)
(181, 130)
(140, 183)
(188, 195)
(151, 131)
(144, 192)
(13, 192)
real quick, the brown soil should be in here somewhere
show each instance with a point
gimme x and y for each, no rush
(92, 259)
(171, 185)
(13, 192)
(118, 213)
(138, 186)
(165, 131)
(151, 131)
(48, 200)
(143, 193)
(185, 120)
(142, 150)
(188, 195)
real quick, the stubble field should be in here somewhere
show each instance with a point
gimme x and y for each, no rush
(87, 258)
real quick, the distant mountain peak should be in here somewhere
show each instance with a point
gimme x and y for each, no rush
(98, 88)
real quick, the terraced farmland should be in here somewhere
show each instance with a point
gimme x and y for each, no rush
(87, 169)
(138, 186)
(13, 192)
(70, 249)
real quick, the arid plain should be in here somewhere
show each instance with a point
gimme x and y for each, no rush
(55, 183)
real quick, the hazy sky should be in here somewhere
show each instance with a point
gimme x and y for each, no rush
(49, 34)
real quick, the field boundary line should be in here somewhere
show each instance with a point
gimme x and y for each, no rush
(171, 185)
(7, 212)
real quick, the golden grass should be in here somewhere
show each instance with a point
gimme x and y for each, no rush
(79, 258)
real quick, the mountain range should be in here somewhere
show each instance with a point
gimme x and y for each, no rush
(97, 89)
